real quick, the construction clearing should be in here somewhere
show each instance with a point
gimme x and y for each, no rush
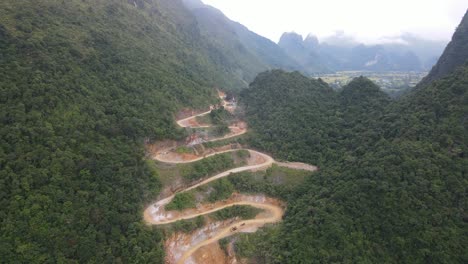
(181, 247)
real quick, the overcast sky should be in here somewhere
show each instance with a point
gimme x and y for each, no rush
(367, 20)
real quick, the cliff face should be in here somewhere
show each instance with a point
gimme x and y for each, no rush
(454, 56)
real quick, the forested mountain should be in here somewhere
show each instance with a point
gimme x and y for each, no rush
(455, 54)
(392, 183)
(83, 83)
(245, 52)
(393, 174)
(343, 53)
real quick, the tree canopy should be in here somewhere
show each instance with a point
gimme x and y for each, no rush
(392, 182)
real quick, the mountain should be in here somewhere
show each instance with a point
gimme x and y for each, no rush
(403, 163)
(428, 51)
(362, 93)
(343, 53)
(245, 52)
(454, 56)
(303, 52)
(392, 181)
(265, 49)
(84, 84)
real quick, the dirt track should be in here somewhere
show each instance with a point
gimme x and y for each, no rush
(181, 247)
(191, 121)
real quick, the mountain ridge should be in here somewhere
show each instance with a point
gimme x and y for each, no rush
(343, 53)
(454, 55)
(249, 52)
(392, 179)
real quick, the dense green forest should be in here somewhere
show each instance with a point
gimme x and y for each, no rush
(82, 85)
(392, 183)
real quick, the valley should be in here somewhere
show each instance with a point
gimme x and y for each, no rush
(118, 146)
(390, 82)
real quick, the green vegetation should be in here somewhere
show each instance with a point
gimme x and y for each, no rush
(242, 211)
(209, 167)
(278, 116)
(275, 182)
(257, 246)
(219, 131)
(181, 202)
(392, 182)
(191, 172)
(220, 143)
(243, 154)
(222, 189)
(220, 120)
(83, 84)
(183, 149)
(393, 83)
(220, 116)
(223, 243)
(186, 226)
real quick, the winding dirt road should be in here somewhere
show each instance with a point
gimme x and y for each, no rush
(188, 122)
(181, 247)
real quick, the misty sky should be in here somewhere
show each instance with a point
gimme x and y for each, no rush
(367, 20)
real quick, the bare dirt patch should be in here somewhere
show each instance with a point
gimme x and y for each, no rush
(297, 166)
(210, 254)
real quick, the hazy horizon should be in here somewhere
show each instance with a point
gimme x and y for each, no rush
(367, 21)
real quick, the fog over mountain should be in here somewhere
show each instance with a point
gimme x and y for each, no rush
(341, 51)
(406, 52)
(366, 20)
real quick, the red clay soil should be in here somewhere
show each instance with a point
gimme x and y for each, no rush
(210, 254)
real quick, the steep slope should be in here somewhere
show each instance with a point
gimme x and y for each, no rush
(362, 104)
(303, 51)
(455, 54)
(360, 92)
(392, 180)
(298, 118)
(442, 109)
(83, 85)
(265, 49)
(246, 52)
(392, 183)
(279, 104)
(226, 47)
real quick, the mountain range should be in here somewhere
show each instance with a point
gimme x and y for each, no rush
(454, 55)
(392, 182)
(342, 53)
(86, 85)
(309, 56)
